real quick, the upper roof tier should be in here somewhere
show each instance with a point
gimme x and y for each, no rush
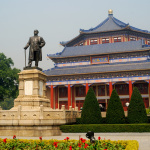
(109, 24)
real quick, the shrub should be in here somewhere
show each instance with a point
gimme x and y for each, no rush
(78, 121)
(91, 113)
(136, 109)
(115, 112)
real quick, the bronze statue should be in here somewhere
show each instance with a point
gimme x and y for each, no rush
(35, 52)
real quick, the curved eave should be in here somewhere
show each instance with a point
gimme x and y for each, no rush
(98, 72)
(71, 40)
(88, 33)
(99, 54)
(127, 27)
(138, 30)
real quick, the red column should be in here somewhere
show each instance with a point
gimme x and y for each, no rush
(146, 42)
(69, 96)
(56, 97)
(110, 88)
(123, 38)
(128, 38)
(100, 41)
(88, 42)
(87, 87)
(52, 97)
(130, 89)
(73, 98)
(110, 39)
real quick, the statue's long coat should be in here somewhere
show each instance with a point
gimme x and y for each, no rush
(36, 43)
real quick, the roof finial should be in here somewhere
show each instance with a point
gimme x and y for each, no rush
(110, 12)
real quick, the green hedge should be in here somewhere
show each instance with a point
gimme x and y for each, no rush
(79, 121)
(82, 128)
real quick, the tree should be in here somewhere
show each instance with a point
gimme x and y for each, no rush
(91, 113)
(136, 109)
(7, 104)
(115, 113)
(8, 78)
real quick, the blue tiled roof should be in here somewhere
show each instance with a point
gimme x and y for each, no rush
(100, 49)
(110, 24)
(99, 69)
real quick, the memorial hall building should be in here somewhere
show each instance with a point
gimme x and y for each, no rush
(113, 55)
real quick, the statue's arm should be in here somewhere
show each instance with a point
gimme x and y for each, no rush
(28, 44)
(42, 42)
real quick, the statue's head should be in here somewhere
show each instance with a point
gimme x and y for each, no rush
(36, 32)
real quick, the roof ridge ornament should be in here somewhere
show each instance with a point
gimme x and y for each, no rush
(110, 12)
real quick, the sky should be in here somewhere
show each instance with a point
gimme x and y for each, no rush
(60, 20)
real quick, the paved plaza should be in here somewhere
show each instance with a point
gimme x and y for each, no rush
(142, 138)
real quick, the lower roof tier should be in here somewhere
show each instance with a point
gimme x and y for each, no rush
(99, 69)
(100, 49)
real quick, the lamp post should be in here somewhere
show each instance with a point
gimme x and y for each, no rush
(127, 104)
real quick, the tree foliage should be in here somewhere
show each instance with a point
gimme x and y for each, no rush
(115, 113)
(8, 78)
(136, 109)
(91, 113)
(7, 104)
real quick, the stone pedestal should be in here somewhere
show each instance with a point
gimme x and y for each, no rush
(32, 90)
(31, 114)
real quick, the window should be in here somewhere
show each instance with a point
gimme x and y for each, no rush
(148, 42)
(101, 90)
(142, 87)
(122, 89)
(93, 41)
(63, 92)
(132, 38)
(80, 91)
(117, 39)
(105, 40)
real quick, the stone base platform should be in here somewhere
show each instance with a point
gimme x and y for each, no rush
(35, 122)
(30, 131)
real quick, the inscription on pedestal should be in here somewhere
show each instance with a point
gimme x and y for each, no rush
(28, 87)
(41, 88)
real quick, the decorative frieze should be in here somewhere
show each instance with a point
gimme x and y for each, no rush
(113, 58)
(129, 55)
(99, 76)
(72, 59)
